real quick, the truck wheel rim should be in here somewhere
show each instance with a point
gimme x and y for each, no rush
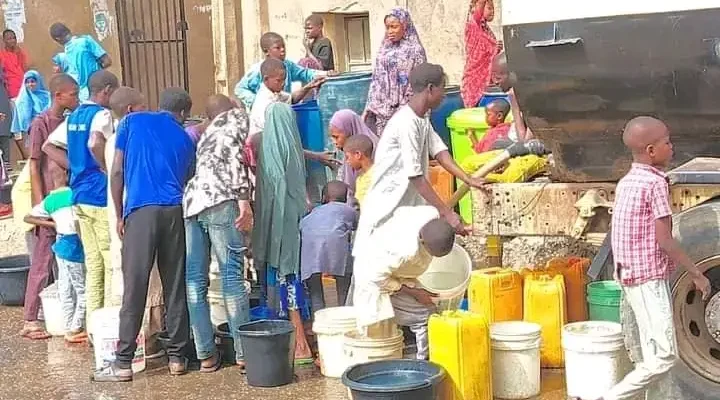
(697, 321)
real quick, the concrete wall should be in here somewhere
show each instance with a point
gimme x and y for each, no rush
(79, 16)
(440, 23)
(41, 14)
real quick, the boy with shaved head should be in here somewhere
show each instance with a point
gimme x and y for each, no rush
(645, 254)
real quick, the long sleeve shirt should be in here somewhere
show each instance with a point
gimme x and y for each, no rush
(247, 88)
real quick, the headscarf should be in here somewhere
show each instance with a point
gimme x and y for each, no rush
(390, 85)
(281, 194)
(29, 103)
(480, 49)
(349, 123)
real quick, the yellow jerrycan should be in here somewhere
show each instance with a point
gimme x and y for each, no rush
(544, 300)
(460, 343)
(497, 294)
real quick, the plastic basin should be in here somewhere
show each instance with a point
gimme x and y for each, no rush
(13, 279)
(269, 350)
(396, 380)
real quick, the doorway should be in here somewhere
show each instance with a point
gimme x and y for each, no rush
(153, 45)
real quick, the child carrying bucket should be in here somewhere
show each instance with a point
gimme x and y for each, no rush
(386, 287)
(56, 212)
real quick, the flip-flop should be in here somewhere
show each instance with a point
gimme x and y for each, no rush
(214, 367)
(35, 334)
(304, 361)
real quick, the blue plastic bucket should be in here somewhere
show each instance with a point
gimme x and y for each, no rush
(309, 121)
(438, 116)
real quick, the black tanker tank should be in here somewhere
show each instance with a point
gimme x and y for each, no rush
(584, 68)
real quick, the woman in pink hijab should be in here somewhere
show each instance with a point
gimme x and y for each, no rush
(343, 124)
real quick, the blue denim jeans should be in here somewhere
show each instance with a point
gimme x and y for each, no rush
(214, 228)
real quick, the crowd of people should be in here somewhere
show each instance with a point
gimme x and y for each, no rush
(114, 193)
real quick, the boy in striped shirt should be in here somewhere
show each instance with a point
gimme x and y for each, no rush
(56, 212)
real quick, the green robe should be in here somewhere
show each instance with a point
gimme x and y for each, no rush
(280, 195)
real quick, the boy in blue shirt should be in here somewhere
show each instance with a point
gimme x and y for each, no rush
(88, 129)
(153, 161)
(273, 46)
(56, 212)
(84, 56)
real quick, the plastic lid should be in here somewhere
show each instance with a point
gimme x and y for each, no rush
(467, 118)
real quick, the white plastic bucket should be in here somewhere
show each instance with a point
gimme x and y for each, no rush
(218, 311)
(52, 310)
(595, 357)
(331, 325)
(359, 349)
(104, 329)
(515, 359)
(448, 277)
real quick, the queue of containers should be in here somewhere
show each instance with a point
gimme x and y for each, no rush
(518, 322)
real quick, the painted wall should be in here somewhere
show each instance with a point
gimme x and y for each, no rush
(81, 18)
(440, 23)
(41, 14)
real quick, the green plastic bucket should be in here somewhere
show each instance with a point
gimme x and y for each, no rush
(603, 299)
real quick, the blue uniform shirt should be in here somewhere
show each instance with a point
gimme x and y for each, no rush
(158, 159)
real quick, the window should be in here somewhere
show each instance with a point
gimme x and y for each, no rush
(357, 41)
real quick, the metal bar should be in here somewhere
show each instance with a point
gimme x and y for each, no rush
(186, 77)
(124, 43)
(176, 47)
(171, 41)
(143, 88)
(152, 73)
(163, 44)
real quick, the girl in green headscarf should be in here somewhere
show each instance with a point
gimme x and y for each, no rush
(281, 201)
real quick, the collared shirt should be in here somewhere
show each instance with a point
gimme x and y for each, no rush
(642, 197)
(248, 87)
(221, 172)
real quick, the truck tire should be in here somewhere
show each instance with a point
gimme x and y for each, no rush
(698, 371)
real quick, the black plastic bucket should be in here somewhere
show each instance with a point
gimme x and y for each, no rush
(13, 279)
(269, 350)
(225, 343)
(396, 380)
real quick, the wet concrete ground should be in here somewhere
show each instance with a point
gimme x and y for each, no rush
(50, 370)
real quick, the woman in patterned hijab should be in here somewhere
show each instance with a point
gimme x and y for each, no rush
(400, 52)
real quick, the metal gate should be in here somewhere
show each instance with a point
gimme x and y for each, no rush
(153, 45)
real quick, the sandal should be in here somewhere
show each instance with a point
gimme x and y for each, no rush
(242, 366)
(35, 333)
(214, 367)
(77, 337)
(304, 361)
